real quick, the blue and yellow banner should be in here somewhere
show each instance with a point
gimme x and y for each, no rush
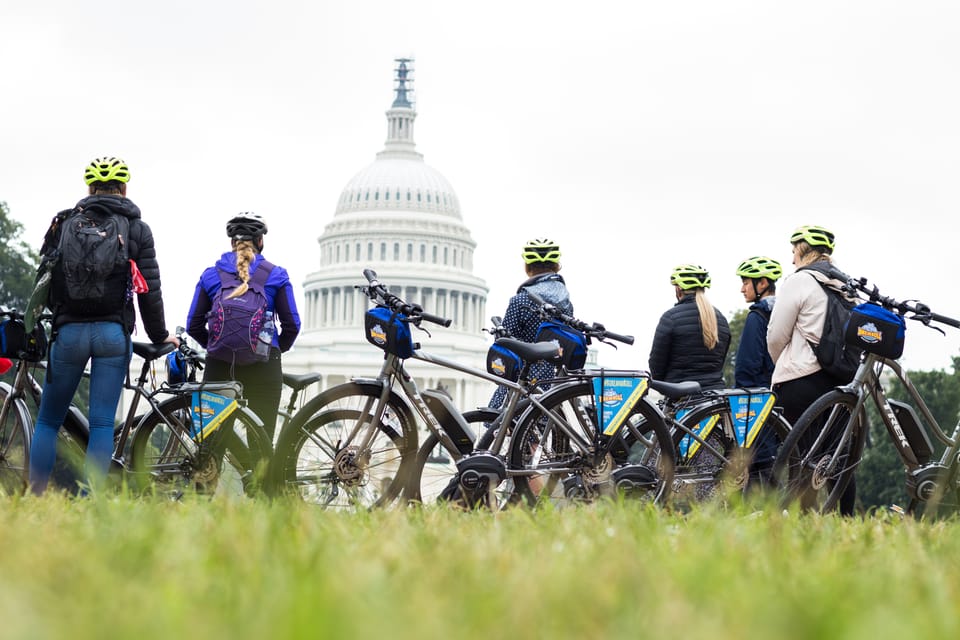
(616, 396)
(750, 411)
(209, 410)
(690, 445)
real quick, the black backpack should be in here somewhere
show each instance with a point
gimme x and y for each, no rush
(835, 356)
(91, 263)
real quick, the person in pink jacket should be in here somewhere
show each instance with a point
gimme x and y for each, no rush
(796, 322)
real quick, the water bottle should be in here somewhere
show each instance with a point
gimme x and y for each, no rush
(265, 338)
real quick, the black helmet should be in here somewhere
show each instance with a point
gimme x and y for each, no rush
(246, 226)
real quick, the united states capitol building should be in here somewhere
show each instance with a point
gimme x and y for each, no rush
(400, 217)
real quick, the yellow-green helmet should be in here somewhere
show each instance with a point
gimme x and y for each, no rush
(106, 169)
(760, 267)
(690, 276)
(541, 250)
(814, 236)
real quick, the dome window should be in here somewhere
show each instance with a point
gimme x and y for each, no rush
(408, 196)
(376, 195)
(386, 195)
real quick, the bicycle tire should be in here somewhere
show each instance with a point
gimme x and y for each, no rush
(533, 446)
(313, 462)
(15, 433)
(827, 430)
(161, 462)
(433, 472)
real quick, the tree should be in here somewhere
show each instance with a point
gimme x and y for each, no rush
(736, 323)
(18, 262)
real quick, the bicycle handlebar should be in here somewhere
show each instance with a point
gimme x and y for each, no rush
(498, 330)
(921, 312)
(377, 292)
(594, 330)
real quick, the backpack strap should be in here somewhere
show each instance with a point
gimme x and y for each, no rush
(262, 273)
(259, 277)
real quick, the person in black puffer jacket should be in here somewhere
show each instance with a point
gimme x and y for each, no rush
(98, 334)
(692, 338)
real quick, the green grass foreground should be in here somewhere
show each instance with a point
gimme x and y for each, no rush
(123, 568)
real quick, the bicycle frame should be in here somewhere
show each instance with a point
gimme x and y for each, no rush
(924, 478)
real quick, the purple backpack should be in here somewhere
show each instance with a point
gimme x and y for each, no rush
(241, 328)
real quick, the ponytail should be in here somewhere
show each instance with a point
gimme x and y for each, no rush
(245, 256)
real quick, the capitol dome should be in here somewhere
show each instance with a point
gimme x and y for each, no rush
(401, 218)
(399, 182)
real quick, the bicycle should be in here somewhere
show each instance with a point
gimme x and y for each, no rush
(712, 431)
(581, 432)
(354, 445)
(818, 459)
(187, 433)
(19, 403)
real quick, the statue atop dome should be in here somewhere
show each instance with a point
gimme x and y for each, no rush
(403, 71)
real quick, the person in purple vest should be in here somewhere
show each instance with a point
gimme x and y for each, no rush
(262, 380)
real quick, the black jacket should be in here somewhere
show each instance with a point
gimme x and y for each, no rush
(678, 353)
(141, 249)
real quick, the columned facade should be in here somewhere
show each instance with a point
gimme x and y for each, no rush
(401, 218)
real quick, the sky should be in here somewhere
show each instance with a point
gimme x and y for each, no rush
(638, 135)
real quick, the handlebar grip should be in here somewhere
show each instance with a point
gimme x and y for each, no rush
(617, 337)
(370, 275)
(537, 299)
(836, 274)
(950, 322)
(429, 317)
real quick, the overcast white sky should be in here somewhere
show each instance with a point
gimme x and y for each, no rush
(639, 135)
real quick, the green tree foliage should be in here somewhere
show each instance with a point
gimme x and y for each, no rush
(18, 262)
(736, 322)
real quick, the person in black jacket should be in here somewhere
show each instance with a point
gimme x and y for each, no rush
(753, 366)
(692, 337)
(101, 337)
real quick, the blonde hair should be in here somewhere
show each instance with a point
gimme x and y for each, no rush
(245, 256)
(708, 319)
(809, 254)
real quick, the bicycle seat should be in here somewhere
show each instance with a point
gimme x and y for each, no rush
(674, 390)
(150, 351)
(531, 351)
(298, 382)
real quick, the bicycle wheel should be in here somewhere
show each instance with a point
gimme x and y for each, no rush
(560, 463)
(817, 460)
(434, 475)
(230, 461)
(14, 443)
(321, 456)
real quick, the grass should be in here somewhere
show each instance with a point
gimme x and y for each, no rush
(123, 568)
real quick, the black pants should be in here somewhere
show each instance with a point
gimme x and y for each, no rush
(262, 384)
(794, 396)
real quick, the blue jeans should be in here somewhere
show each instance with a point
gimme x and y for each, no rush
(109, 348)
